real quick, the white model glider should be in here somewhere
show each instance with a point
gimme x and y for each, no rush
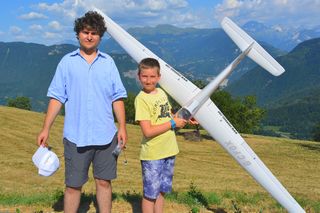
(196, 102)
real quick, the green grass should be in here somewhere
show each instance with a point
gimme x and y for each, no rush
(34, 199)
(206, 178)
(193, 198)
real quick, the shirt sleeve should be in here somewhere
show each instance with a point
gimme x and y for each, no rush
(142, 110)
(57, 88)
(118, 89)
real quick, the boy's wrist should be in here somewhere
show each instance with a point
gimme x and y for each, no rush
(173, 124)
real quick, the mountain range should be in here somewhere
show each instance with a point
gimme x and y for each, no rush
(292, 99)
(26, 69)
(197, 53)
(281, 37)
(278, 36)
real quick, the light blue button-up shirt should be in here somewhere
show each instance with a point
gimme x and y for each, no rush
(88, 91)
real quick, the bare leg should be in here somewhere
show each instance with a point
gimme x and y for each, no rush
(158, 207)
(72, 199)
(104, 195)
(147, 205)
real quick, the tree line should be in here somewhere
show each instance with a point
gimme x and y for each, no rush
(243, 113)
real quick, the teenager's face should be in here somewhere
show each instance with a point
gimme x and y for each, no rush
(89, 39)
(149, 78)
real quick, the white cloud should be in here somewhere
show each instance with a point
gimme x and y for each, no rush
(178, 3)
(53, 7)
(289, 13)
(186, 18)
(51, 35)
(149, 14)
(156, 4)
(33, 16)
(162, 5)
(55, 25)
(281, 2)
(20, 37)
(15, 30)
(36, 27)
(131, 12)
(231, 4)
(124, 4)
(278, 28)
(181, 13)
(66, 9)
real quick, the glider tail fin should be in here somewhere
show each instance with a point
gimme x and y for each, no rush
(257, 53)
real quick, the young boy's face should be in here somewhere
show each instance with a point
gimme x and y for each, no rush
(149, 78)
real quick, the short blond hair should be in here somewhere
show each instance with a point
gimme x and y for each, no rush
(149, 63)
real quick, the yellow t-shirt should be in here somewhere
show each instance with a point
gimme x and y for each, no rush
(157, 109)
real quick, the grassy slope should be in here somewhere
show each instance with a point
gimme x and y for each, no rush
(295, 163)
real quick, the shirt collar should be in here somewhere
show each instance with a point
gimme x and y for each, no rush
(77, 52)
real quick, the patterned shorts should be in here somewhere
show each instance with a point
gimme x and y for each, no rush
(157, 176)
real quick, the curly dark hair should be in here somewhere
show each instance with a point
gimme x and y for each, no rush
(91, 20)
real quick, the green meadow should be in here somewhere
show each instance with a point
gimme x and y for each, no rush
(206, 178)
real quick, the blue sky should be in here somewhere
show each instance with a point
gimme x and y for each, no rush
(51, 21)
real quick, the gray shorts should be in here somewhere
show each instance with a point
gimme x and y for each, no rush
(78, 160)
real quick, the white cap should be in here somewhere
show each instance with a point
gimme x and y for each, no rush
(46, 161)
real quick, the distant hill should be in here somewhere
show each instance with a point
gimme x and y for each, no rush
(293, 98)
(297, 114)
(197, 53)
(27, 69)
(278, 36)
(302, 67)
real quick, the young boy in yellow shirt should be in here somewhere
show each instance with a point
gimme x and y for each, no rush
(159, 145)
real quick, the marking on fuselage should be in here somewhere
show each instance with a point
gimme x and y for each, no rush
(238, 155)
(176, 72)
(229, 124)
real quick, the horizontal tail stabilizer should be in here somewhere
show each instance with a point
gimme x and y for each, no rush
(257, 53)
